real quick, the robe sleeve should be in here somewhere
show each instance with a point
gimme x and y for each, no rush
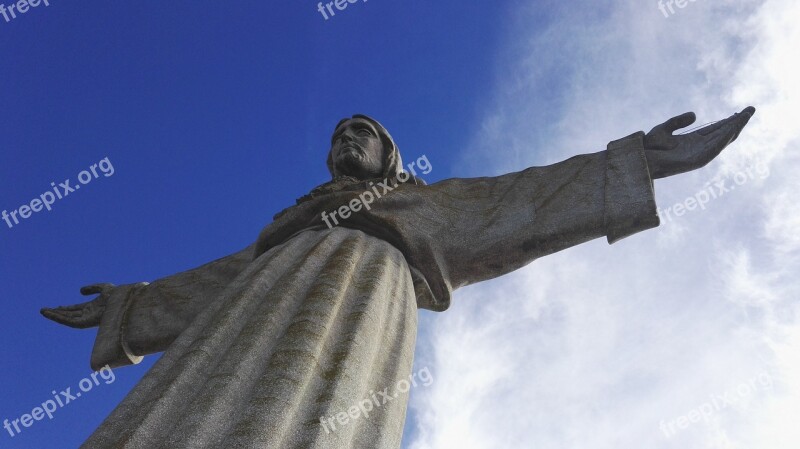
(145, 318)
(463, 231)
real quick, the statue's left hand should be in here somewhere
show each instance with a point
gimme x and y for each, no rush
(669, 154)
(84, 315)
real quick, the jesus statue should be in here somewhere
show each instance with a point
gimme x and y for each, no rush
(276, 345)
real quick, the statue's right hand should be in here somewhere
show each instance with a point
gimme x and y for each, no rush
(82, 315)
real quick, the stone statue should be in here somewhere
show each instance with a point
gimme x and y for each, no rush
(311, 319)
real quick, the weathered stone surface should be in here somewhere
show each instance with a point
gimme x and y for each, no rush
(305, 331)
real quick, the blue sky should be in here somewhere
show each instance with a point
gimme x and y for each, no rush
(215, 117)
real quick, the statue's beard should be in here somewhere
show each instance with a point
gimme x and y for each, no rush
(353, 164)
(352, 173)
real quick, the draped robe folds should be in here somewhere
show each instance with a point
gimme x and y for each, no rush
(310, 321)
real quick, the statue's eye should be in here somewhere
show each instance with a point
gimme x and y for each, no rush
(364, 132)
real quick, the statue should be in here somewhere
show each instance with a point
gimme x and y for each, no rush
(264, 346)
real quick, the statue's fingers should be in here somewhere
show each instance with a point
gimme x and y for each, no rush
(94, 289)
(59, 316)
(678, 122)
(721, 138)
(745, 116)
(68, 318)
(69, 311)
(50, 314)
(714, 127)
(739, 125)
(73, 307)
(738, 119)
(734, 126)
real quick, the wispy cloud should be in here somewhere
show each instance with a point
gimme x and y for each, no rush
(593, 347)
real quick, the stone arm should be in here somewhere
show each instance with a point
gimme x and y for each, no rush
(462, 231)
(481, 228)
(145, 318)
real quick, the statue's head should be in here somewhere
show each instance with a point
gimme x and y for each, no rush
(362, 148)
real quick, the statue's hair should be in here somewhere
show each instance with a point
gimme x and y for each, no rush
(392, 162)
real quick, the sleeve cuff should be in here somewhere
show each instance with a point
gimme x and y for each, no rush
(630, 204)
(110, 348)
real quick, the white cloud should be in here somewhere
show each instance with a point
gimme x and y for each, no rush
(593, 347)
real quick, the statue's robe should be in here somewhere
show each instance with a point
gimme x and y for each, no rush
(309, 322)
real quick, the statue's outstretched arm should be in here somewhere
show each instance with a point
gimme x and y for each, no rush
(474, 229)
(144, 318)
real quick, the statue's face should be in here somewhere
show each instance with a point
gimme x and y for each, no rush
(357, 150)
